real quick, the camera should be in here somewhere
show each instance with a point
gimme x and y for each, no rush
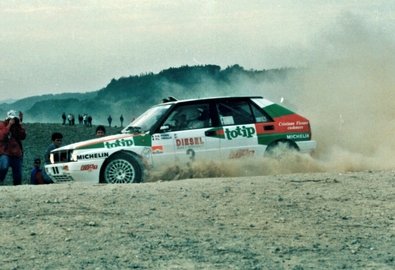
(17, 121)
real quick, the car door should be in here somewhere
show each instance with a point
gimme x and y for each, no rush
(239, 130)
(183, 135)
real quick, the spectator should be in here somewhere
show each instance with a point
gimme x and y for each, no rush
(80, 118)
(100, 131)
(121, 119)
(109, 119)
(89, 120)
(63, 118)
(85, 119)
(70, 119)
(37, 176)
(11, 150)
(56, 142)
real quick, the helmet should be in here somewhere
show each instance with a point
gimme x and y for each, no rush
(193, 114)
(12, 114)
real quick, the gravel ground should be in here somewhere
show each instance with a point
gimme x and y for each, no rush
(288, 221)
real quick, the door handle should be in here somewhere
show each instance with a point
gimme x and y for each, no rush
(210, 133)
(268, 127)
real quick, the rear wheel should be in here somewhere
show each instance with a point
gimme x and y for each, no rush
(121, 168)
(281, 148)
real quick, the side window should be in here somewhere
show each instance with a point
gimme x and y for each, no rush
(186, 117)
(260, 116)
(235, 113)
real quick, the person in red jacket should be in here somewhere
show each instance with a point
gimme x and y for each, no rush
(12, 134)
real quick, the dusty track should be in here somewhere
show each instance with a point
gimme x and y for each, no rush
(292, 221)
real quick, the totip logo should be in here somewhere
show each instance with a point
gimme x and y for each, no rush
(119, 143)
(243, 131)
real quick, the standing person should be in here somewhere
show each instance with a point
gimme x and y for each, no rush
(80, 118)
(109, 119)
(90, 120)
(37, 176)
(100, 131)
(63, 118)
(69, 118)
(121, 119)
(56, 138)
(11, 150)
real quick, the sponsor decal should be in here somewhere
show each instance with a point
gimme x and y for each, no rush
(157, 149)
(158, 137)
(118, 143)
(187, 142)
(88, 167)
(165, 136)
(243, 131)
(92, 156)
(298, 136)
(289, 125)
(241, 153)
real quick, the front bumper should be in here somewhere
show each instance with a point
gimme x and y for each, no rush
(306, 146)
(74, 171)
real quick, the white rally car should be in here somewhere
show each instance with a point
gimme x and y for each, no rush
(180, 131)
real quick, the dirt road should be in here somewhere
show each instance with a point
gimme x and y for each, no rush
(292, 221)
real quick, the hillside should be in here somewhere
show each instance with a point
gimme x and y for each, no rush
(132, 95)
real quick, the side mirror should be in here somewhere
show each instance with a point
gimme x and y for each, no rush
(165, 128)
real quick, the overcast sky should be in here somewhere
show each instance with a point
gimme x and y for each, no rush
(78, 46)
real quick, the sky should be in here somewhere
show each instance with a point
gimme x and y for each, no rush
(63, 46)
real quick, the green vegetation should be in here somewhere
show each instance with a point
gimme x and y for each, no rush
(132, 95)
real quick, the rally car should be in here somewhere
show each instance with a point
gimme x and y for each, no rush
(182, 131)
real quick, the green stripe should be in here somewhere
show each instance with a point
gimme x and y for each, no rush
(275, 110)
(269, 138)
(92, 146)
(266, 139)
(143, 140)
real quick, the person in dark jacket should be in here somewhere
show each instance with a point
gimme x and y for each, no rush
(56, 138)
(37, 176)
(100, 131)
(12, 134)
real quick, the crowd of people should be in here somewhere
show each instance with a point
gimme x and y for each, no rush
(12, 134)
(85, 119)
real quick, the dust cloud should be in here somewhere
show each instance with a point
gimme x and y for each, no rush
(347, 92)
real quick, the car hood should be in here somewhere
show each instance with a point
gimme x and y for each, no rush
(119, 139)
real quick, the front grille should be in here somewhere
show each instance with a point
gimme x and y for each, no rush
(62, 178)
(62, 156)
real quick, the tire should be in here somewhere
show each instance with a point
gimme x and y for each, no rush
(121, 168)
(279, 149)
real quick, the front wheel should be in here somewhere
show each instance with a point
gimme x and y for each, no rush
(121, 168)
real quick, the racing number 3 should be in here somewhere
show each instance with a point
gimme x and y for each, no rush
(191, 154)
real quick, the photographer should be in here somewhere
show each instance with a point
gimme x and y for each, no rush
(11, 151)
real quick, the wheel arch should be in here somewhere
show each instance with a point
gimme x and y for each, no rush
(291, 144)
(134, 155)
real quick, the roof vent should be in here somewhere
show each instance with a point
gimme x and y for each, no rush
(169, 99)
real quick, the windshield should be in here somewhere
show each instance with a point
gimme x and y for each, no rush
(144, 122)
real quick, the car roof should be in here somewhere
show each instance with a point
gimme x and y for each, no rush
(172, 100)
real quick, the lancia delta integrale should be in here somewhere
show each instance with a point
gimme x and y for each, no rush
(182, 131)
